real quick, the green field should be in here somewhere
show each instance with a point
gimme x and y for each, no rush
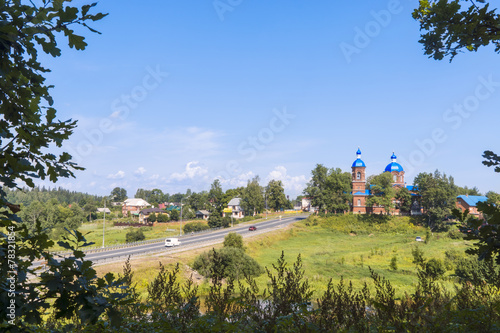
(329, 253)
(336, 247)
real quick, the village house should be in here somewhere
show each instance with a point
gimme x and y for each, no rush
(203, 214)
(234, 209)
(469, 202)
(134, 206)
(144, 214)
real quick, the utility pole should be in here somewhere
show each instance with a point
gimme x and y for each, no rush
(104, 222)
(180, 228)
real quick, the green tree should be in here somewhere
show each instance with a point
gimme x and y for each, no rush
(467, 191)
(493, 197)
(382, 191)
(454, 26)
(338, 191)
(438, 196)
(29, 126)
(276, 198)
(198, 201)
(119, 194)
(252, 199)
(492, 159)
(174, 215)
(233, 239)
(316, 188)
(215, 197)
(404, 199)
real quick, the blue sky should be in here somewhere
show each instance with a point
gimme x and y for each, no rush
(176, 93)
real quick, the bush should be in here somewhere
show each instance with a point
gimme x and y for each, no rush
(135, 236)
(235, 263)
(455, 234)
(162, 218)
(434, 268)
(477, 271)
(428, 236)
(233, 239)
(452, 258)
(174, 215)
(195, 227)
(394, 263)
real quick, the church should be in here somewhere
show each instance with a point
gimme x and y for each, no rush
(360, 193)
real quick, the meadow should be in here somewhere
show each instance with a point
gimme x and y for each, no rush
(335, 247)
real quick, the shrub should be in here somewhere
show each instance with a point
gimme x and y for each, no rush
(477, 271)
(233, 239)
(452, 258)
(434, 268)
(234, 263)
(394, 263)
(455, 234)
(134, 236)
(195, 227)
(428, 237)
(162, 218)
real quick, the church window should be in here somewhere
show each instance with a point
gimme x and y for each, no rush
(359, 202)
(358, 175)
(395, 178)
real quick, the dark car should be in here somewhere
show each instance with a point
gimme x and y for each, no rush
(252, 228)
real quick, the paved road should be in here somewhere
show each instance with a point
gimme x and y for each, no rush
(190, 241)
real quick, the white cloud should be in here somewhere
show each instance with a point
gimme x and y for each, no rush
(140, 171)
(119, 175)
(237, 181)
(193, 170)
(292, 184)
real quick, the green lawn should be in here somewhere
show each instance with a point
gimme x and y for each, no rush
(328, 253)
(116, 235)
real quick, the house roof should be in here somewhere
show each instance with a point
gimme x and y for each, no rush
(366, 192)
(136, 202)
(170, 208)
(234, 202)
(103, 210)
(204, 212)
(472, 200)
(148, 211)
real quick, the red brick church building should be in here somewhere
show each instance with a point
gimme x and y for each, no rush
(360, 193)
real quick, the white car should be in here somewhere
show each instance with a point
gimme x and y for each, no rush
(172, 242)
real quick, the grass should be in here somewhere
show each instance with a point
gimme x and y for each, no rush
(329, 249)
(116, 235)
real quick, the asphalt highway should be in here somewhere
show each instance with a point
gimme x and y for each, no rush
(190, 240)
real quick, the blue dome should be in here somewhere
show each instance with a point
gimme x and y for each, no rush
(394, 166)
(393, 157)
(359, 163)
